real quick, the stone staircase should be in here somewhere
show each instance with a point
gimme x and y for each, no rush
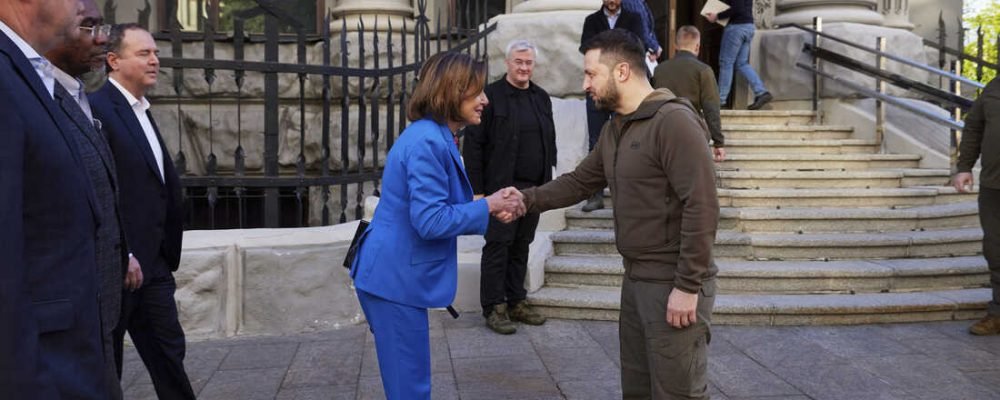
(815, 228)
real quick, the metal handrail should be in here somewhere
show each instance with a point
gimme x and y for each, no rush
(958, 125)
(898, 59)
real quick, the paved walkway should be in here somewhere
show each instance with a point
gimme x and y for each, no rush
(579, 360)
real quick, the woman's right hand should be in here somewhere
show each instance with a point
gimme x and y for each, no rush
(506, 204)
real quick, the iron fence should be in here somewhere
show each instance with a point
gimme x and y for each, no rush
(363, 73)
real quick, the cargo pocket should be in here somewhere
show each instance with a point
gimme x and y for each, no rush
(679, 358)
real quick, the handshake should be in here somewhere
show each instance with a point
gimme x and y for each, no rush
(506, 204)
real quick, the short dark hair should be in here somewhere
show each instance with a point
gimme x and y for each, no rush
(619, 45)
(115, 38)
(445, 80)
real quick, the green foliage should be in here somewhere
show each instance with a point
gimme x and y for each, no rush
(987, 18)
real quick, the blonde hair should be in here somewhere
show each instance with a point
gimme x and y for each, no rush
(444, 81)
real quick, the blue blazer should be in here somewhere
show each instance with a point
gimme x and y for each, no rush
(50, 332)
(409, 255)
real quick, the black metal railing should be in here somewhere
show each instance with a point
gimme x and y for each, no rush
(292, 170)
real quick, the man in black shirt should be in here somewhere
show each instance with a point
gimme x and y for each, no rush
(515, 145)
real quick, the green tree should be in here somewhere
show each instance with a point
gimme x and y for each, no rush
(986, 18)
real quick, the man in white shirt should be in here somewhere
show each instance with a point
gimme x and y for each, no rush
(50, 340)
(151, 208)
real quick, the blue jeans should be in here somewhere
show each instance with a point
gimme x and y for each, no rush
(736, 50)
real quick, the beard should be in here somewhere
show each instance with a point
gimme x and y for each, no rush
(608, 100)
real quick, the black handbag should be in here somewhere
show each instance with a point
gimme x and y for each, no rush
(355, 243)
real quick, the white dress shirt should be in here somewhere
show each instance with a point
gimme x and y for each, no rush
(75, 88)
(612, 18)
(139, 107)
(42, 66)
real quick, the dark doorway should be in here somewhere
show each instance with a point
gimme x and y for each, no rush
(686, 12)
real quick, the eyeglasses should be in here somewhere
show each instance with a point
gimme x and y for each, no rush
(97, 31)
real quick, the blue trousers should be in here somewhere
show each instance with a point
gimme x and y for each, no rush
(403, 346)
(735, 51)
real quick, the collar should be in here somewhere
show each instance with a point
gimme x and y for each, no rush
(29, 52)
(71, 84)
(651, 104)
(609, 14)
(129, 98)
(510, 89)
(685, 54)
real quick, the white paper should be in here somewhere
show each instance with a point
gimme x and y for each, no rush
(715, 7)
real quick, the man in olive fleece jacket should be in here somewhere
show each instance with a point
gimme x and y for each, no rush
(654, 157)
(981, 137)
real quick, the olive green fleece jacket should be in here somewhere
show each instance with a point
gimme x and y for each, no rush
(659, 169)
(981, 137)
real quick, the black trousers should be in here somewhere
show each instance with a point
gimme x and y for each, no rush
(149, 314)
(989, 218)
(505, 261)
(595, 121)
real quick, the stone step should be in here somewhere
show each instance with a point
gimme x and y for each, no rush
(805, 277)
(786, 132)
(806, 246)
(803, 146)
(813, 162)
(845, 197)
(752, 219)
(768, 117)
(603, 303)
(838, 179)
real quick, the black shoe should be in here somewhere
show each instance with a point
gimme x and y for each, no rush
(760, 101)
(596, 202)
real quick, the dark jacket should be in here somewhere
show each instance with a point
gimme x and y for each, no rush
(151, 207)
(660, 171)
(490, 147)
(50, 321)
(981, 137)
(598, 22)
(694, 80)
(739, 12)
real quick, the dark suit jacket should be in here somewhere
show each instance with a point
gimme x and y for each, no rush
(598, 22)
(491, 147)
(50, 333)
(151, 207)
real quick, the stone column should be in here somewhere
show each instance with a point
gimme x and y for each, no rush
(365, 11)
(896, 13)
(556, 5)
(802, 11)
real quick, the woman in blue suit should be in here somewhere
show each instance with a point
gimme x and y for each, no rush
(407, 261)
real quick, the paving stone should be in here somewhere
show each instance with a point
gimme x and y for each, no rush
(956, 353)
(201, 364)
(504, 377)
(909, 372)
(605, 333)
(244, 384)
(332, 370)
(319, 393)
(781, 347)
(835, 381)
(254, 356)
(482, 342)
(140, 391)
(767, 398)
(853, 342)
(579, 363)
(989, 379)
(593, 389)
(467, 319)
(955, 392)
(738, 375)
(557, 333)
(903, 332)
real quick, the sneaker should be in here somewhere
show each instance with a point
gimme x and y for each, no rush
(499, 322)
(989, 325)
(522, 312)
(760, 101)
(596, 202)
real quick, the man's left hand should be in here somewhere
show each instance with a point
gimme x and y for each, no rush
(681, 308)
(133, 278)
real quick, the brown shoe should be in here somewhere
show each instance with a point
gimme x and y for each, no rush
(499, 322)
(522, 312)
(989, 325)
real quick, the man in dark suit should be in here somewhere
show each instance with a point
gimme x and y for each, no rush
(50, 322)
(151, 208)
(610, 16)
(73, 58)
